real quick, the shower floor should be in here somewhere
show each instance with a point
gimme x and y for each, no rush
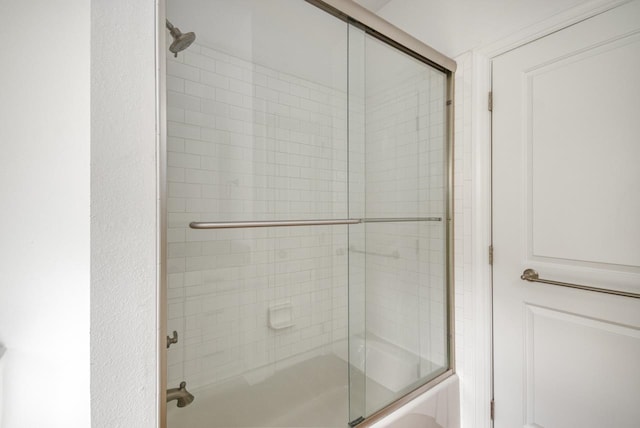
(313, 393)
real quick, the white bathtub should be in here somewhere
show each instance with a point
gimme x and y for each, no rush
(314, 393)
(437, 408)
(395, 368)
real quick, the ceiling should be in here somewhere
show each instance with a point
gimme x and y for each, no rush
(456, 26)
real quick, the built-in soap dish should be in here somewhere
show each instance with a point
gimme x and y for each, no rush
(280, 316)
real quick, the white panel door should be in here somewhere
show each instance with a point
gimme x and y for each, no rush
(566, 203)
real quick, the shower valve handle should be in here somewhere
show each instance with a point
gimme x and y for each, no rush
(173, 339)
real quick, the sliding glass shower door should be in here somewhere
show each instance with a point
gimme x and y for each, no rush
(397, 256)
(306, 218)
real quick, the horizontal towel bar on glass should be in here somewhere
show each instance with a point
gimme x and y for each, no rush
(532, 276)
(269, 223)
(392, 255)
(399, 219)
(282, 223)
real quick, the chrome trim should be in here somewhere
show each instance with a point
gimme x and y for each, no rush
(162, 246)
(315, 222)
(172, 339)
(181, 395)
(399, 219)
(269, 223)
(449, 235)
(371, 23)
(532, 276)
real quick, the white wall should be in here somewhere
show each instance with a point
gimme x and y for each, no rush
(124, 245)
(472, 340)
(44, 223)
(45, 256)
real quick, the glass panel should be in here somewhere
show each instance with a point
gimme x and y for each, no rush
(257, 130)
(357, 236)
(398, 103)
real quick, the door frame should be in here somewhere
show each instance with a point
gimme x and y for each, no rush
(477, 412)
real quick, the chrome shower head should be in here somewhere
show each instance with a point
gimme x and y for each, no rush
(180, 41)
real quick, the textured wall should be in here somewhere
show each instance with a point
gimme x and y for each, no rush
(123, 215)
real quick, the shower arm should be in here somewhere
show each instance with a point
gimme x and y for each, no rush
(172, 30)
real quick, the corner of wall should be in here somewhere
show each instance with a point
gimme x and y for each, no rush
(123, 215)
(472, 238)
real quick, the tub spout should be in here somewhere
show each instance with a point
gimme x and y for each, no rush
(181, 394)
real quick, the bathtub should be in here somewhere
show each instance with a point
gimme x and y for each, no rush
(395, 368)
(314, 393)
(439, 407)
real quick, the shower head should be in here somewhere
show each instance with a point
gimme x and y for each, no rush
(180, 41)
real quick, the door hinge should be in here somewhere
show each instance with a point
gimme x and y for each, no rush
(491, 255)
(493, 409)
(490, 102)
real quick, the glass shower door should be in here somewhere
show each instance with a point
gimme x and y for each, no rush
(257, 131)
(397, 257)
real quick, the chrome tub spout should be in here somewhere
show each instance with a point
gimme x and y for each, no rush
(181, 394)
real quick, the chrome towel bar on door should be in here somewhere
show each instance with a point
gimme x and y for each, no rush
(532, 276)
(281, 223)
